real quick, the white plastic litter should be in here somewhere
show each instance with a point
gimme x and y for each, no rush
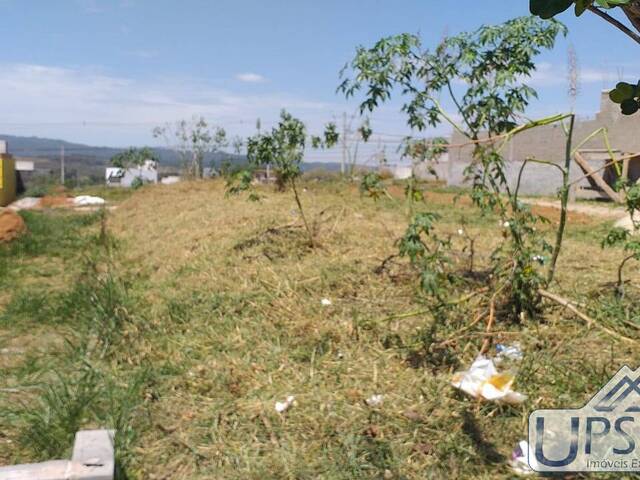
(519, 462)
(628, 223)
(375, 400)
(26, 203)
(460, 232)
(512, 352)
(325, 302)
(539, 258)
(87, 200)
(483, 380)
(286, 405)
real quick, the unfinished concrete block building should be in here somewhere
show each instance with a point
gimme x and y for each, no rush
(548, 143)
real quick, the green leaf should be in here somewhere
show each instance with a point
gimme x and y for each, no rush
(548, 8)
(616, 96)
(612, 3)
(629, 106)
(582, 5)
(623, 91)
(626, 89)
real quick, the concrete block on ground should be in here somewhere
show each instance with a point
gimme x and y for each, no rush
(94, 451)
(93, 459)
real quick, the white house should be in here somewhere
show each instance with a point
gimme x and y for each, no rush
(119, 177)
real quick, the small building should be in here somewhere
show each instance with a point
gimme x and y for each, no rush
(25, 172)
(435, 170)
(23, 165)
(120, 177)
(401, 172)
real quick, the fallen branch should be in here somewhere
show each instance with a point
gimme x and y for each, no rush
(383, 266)
(460, 333)
(424, 312)
(492, 316)
(468, 296)
(589, 321)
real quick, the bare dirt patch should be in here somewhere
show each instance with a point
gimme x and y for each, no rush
(11, 226)
(55, 201)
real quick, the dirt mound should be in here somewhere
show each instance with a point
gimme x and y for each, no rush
(11, 225)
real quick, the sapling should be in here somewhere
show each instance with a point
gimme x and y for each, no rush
(481, 73)
(372, 186)
(420, 152)
(427, 251)
(621, 236)
(283, 149)
(241, 181)
(470, 243)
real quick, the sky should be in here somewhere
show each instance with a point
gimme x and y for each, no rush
(105, 72)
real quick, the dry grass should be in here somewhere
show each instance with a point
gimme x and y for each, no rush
(230, 295)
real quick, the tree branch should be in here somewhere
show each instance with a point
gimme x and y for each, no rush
(616, 23)
(632, 11)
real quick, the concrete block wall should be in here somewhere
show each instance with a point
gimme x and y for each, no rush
(548, 143)
(536, 180)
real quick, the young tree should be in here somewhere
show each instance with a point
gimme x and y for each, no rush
(133, 158)
(421, 152)
(283, 149)
(193, 140)
(482, 74)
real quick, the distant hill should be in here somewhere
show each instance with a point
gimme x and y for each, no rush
(90, 161)
(48, 148)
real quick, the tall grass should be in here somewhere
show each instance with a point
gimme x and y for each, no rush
(83, 385)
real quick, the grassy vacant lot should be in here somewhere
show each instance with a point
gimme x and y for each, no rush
(182, 317)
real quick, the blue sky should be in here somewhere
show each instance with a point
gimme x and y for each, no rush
(105, 72)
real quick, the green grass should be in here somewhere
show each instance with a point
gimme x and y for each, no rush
(110, 194)
(73, 323)
(185, 327)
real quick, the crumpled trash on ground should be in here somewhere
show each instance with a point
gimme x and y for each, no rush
(483, 380)
(88, 200)
(325, 302)
(25, 203)
(375, 400)
(520, 458)
(512, 352)
(282, 407)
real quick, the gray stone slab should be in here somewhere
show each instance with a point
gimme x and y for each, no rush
(93, 459)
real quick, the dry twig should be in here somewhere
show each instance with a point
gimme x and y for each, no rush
(589, 321)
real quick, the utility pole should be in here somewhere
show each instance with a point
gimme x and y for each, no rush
(62, 165)
(344, 143)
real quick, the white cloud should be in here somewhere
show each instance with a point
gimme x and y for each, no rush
(549, 75)
(250, 78)
(92, 106)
